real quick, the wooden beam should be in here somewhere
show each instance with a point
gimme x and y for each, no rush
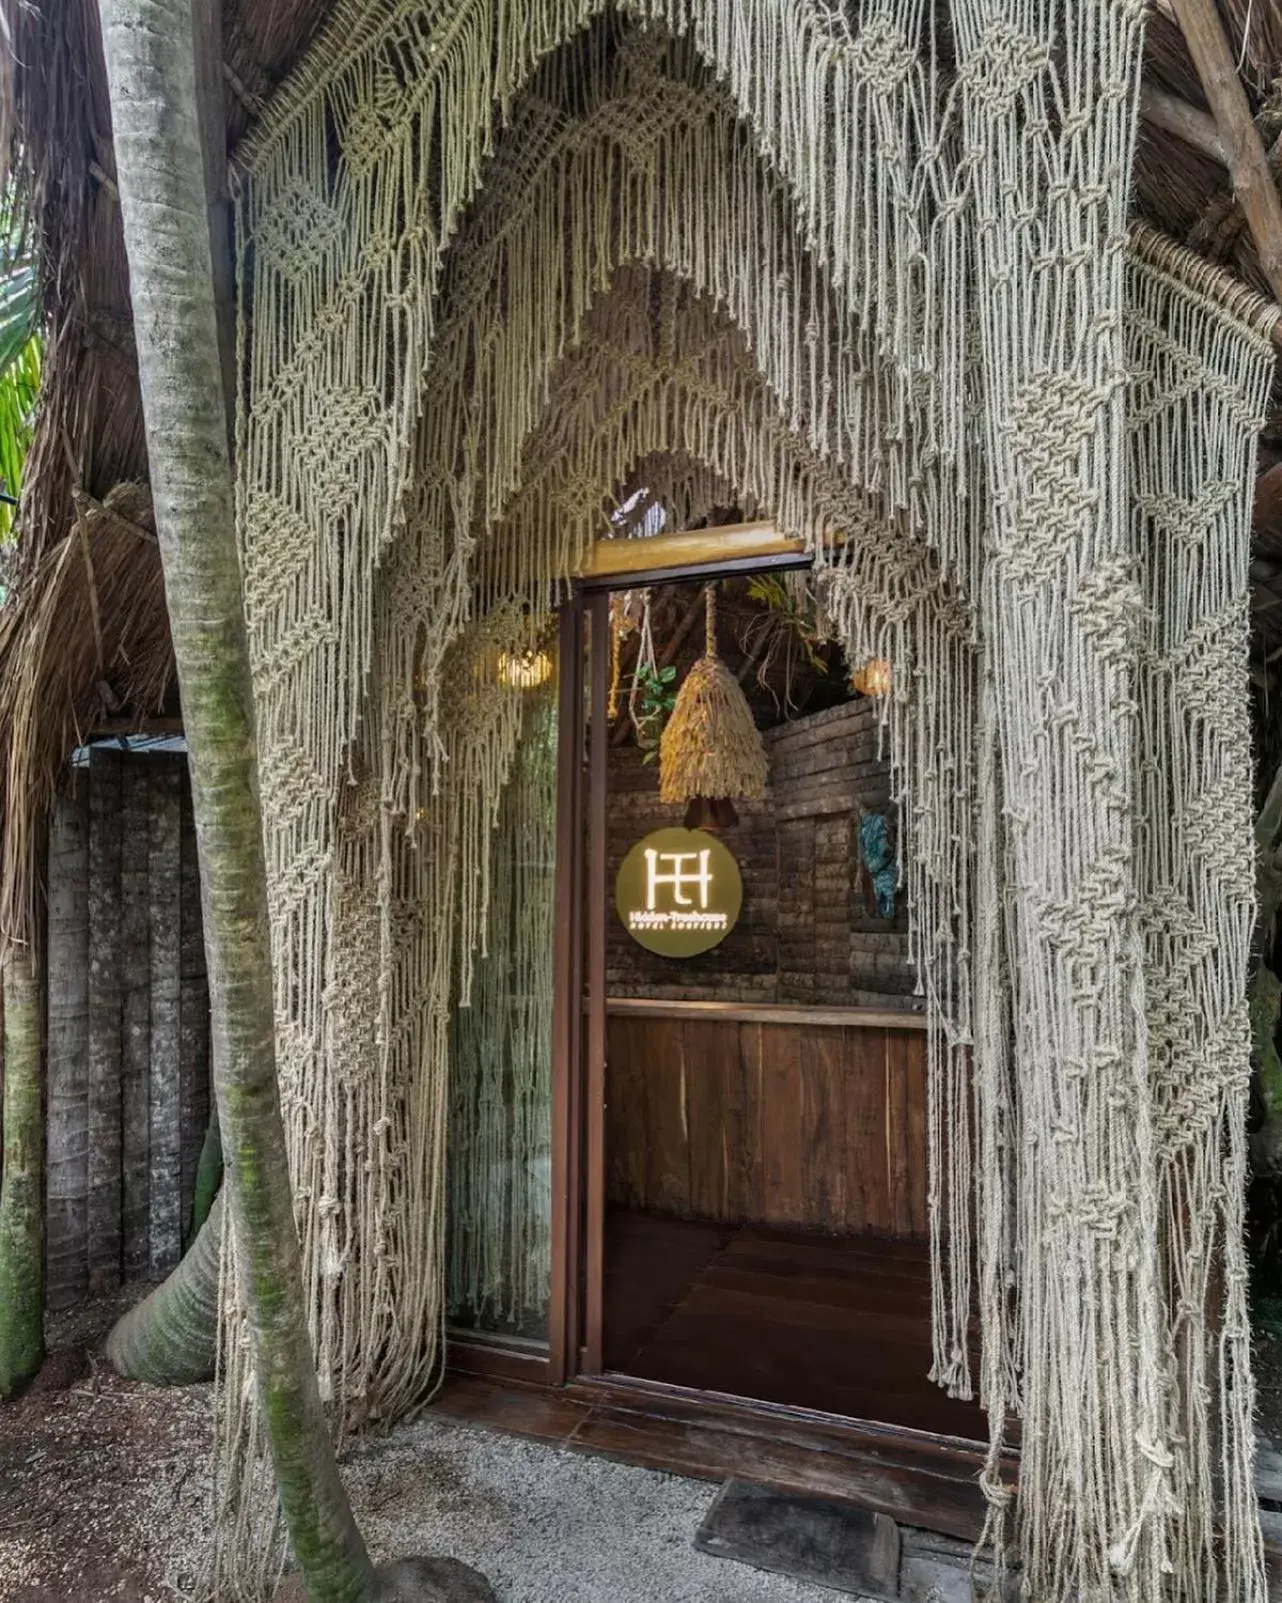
(1175, 116)
(1248, 166)
(109, 727)
(567, 993)
(864, 1018)
(597, 903)
(692, 548)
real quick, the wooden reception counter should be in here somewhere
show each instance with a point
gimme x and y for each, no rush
(782, 1115)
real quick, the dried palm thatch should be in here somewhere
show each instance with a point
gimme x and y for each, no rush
(710, 745)
(86, 635)
(56, 151)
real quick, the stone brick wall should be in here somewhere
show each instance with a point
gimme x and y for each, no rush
(809, 930)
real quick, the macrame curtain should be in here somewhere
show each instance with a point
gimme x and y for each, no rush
(505, 263)
(500, 1133)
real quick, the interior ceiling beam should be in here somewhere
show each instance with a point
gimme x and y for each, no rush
(686, 548)
(1253, 183)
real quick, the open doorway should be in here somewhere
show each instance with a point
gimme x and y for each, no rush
(755, 1183)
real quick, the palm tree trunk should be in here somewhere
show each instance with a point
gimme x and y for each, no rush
(67, 1099)
(171, 1337)
(164, 1085)
(104, 1021)
(135, 984)
(193, 1023)
(151, 72)
(21, 1189)
(209, 1176)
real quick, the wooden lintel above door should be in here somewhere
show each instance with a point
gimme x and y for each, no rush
(688, 548)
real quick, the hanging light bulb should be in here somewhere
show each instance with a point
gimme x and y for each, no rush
(524, 670)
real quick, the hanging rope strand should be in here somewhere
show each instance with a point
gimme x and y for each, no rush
(438, 400)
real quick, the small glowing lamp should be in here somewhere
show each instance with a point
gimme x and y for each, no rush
(524, 670)
(873, 679)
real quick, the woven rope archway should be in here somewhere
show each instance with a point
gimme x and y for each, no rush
(932, 338)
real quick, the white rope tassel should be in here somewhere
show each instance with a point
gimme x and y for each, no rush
(862, 269)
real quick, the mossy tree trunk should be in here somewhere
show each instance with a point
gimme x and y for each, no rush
(171, 1337)
(193, 1024)
(209, 1176)
(151, 69)
(21, 1182)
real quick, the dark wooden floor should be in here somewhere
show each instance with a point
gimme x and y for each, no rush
(835, 1323)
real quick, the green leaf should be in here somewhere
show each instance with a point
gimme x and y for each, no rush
(19, 386)
(667, 675)
(20, 357)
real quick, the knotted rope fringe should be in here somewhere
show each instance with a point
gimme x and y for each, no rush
(877, 244)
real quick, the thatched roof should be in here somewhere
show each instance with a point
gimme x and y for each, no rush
(90, 436)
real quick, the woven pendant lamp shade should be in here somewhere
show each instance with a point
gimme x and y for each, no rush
(710, 746)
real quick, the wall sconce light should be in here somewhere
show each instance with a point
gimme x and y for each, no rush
(524, 670)
(873, 679)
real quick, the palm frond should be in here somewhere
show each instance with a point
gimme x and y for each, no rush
(19, 389)
(20, 356)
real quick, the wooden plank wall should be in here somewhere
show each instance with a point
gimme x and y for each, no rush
(807, 1125)
(128, 1015)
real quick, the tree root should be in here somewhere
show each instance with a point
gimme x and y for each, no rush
(171, 1337)
(431, 1580)
(411, 1580)
(209, 1176)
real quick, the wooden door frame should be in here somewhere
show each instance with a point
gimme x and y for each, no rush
(579, 1075)
(565, 1298)
(591, 1070)
(575, 1314)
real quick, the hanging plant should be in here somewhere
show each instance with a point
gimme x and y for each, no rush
(787, 631)
(653, 694)
(656, 697)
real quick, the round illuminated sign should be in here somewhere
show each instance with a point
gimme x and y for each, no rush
(678, 892)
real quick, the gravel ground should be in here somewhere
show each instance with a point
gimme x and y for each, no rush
(104, 1485)
(105, 1497)
(547, 1525)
